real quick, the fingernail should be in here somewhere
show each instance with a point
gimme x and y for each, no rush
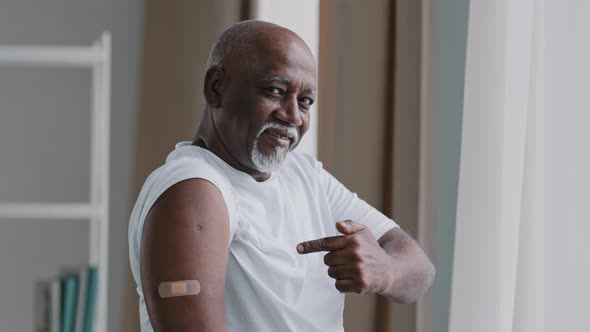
(300, 248)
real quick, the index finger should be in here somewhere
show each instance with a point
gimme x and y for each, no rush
(324, 244)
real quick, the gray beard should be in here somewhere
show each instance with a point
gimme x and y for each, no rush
(267, 163)
(272, 162)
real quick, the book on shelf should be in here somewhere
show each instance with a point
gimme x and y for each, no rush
(55, 298)
(69, 296)
(81, 303)
(91, 299)
(67, 303)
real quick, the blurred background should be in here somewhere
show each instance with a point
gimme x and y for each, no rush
(432, 111)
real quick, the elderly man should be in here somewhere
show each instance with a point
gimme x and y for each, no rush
(238, 232)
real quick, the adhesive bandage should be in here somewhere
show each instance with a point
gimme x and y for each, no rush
(179, 288)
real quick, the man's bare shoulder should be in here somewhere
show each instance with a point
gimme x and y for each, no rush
(189, 194)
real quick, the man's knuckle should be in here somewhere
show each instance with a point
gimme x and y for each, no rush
(334, 276)
(356, 256)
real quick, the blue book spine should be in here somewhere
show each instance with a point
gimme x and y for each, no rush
(90, 308)
(69, 298)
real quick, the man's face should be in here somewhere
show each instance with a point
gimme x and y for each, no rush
(267, 95)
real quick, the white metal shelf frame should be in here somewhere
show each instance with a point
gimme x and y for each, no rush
(97, 58)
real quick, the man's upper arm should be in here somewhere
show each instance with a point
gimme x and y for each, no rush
(185, 237)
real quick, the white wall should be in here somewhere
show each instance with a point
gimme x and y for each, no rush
(567, 165)
(44, 132)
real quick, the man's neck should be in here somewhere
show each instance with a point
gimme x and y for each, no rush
(207, 137)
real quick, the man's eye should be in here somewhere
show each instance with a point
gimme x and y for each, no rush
(275, 91)
(306, 101)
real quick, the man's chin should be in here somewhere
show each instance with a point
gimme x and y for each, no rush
(268, 163)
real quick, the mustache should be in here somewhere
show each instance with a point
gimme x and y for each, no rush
(292, 132)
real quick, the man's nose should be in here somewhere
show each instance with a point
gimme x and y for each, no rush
(289, 111)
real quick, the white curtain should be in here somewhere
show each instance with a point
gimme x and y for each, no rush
(498, 259)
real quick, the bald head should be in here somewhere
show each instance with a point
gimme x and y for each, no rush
(245, 36)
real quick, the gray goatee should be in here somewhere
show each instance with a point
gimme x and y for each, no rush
(268, 163)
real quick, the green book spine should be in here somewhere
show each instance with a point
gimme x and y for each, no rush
(69, 297)
(90, 308)
(81, 305)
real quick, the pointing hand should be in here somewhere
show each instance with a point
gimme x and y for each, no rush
(355, 259)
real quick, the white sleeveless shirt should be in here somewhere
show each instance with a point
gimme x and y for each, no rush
(269, 286)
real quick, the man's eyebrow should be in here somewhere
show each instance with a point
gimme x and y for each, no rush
(285, 81)
(277, 78)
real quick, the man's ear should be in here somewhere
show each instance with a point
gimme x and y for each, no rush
(213, 87)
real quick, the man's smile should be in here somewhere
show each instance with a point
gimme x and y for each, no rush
(277, 134)
(277, 139)
(280, 133)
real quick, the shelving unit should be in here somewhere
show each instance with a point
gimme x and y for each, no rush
(97, 58)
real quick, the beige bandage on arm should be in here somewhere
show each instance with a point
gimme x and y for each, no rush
(179, 288)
